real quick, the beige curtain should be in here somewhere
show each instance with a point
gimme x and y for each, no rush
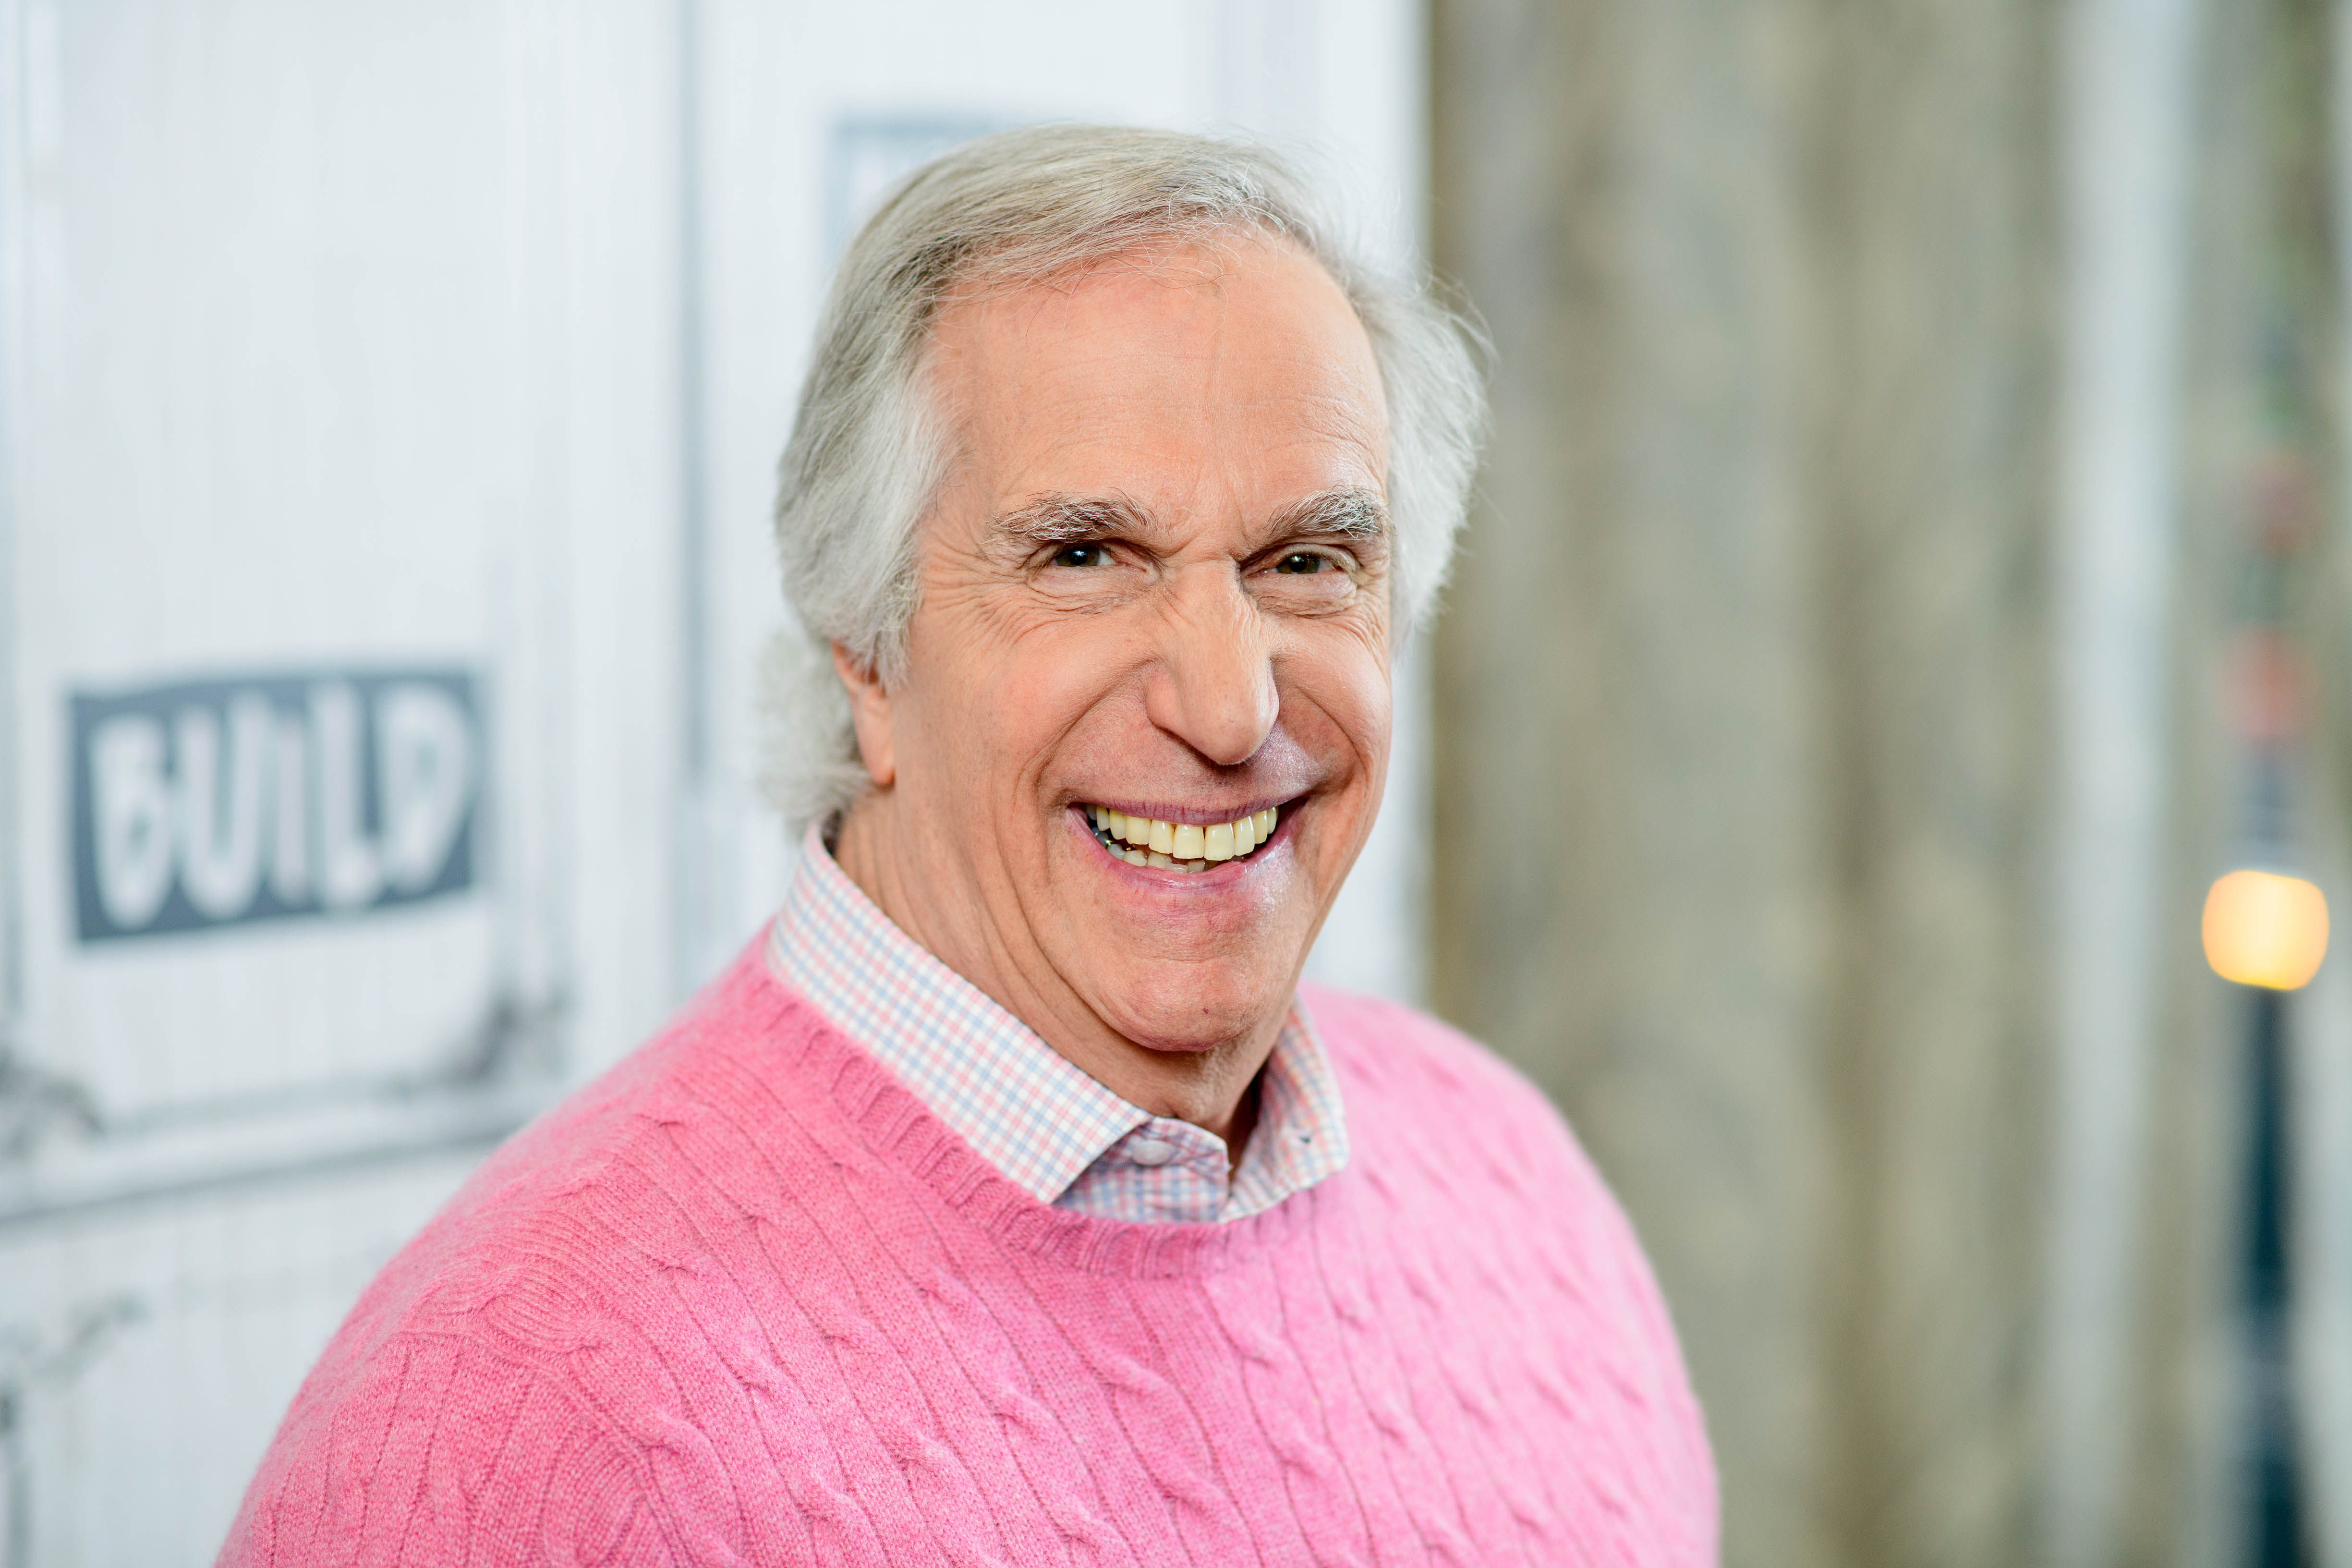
(2310, 127)
(1746, 702)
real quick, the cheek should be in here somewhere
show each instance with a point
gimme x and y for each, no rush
(998, 709)
(1347, 691)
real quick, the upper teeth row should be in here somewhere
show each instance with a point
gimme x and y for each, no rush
(1189, 840)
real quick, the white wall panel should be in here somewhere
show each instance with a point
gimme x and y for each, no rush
(172, 1335)
(340, 342)
(456, 338)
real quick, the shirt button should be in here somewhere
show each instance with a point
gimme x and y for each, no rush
(1151, 1151)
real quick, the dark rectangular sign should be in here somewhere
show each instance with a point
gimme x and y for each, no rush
(278, 796)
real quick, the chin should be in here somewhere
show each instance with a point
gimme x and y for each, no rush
(1177, 1015)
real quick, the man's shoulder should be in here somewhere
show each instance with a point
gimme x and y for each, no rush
(1460, 1146)
(1419, 1090)
(548, 1260)
(550, 1200)
(1388, 1050)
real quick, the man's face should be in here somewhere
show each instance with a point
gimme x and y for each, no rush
(1156, 581)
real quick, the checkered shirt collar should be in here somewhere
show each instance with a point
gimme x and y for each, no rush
(1027, 1109)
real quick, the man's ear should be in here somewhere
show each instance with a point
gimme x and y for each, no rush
(869, 710)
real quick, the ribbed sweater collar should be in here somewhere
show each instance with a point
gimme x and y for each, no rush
(771, 1029)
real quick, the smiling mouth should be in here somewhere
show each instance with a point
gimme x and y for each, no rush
(1181, 845)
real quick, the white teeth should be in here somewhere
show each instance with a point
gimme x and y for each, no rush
(1181, 845)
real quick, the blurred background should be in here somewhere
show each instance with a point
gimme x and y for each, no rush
(1909, 571)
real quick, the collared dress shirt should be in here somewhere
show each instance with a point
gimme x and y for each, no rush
(1026, 1109)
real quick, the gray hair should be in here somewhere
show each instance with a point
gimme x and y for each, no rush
(867, 452)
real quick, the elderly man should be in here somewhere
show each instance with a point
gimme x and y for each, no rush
(1008, 1203)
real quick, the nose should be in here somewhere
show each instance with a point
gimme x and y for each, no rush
(1213, 684)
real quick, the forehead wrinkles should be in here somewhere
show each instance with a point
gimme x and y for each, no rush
(992, 311)
(1020, 371)
(1202, 260)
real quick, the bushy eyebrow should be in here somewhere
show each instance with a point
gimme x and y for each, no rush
(1063, 519)
(1349, 513)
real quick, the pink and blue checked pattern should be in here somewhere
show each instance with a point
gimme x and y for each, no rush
(1027, 1109)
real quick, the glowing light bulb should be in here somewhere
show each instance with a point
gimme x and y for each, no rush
(2263, 929)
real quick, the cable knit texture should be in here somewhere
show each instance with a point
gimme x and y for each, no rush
(745, 1301)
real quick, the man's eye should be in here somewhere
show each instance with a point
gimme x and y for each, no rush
(1079, 555)
(1302, 562)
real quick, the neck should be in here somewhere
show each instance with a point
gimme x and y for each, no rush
(930, 893)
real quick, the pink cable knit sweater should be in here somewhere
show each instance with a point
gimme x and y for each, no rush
(745, 1301)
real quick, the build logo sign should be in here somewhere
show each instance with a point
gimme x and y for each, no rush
(225, 801)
